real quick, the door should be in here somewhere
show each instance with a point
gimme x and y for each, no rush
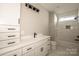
(68, 37)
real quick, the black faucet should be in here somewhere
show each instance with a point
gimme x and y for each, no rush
(35, 34)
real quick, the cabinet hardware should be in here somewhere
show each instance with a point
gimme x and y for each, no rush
(76, 39)
(11, 36)
(15, 55)
(42, 49)
(19, 21)
(11, 42)
(48, 44)
(11, 29)
(29, 48)
(77, 36)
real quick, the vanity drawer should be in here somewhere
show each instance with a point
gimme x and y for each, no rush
(7, 43)
(5, 36)
(28, 48)
(9, 28)
(13, 53)
(30, 53)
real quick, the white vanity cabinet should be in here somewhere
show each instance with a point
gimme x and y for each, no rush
(43, 49)
(9, 13)
(40, 48)
(28, 50)
(9, 24)
(9, 37)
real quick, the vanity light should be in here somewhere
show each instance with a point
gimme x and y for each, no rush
(32, 7)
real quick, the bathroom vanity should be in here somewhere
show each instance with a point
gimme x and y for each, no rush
(11, 42)
(36, 47)
(9, 25)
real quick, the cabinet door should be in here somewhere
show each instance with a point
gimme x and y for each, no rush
(39, 50)
(9, 13)
(46, 49)
(42, 50)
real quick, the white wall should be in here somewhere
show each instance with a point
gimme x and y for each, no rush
(32, 21)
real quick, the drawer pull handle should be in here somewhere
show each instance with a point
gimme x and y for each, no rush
(76, 39)
(15, 55)
(42, 49)
(11, 36)
(29, 48)
(77, 36)
(48, 44)
(11, 28)
(11, 42)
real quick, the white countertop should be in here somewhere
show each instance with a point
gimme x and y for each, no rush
(22, 44)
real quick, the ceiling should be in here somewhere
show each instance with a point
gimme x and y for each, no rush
(60, 7)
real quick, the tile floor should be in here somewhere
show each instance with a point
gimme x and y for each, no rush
(61, 52)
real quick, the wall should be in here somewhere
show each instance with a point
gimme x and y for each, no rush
(32, 21)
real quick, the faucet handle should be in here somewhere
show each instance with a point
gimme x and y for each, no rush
(35, 34)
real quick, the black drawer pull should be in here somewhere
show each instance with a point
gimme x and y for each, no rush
(76, 39)
(29, 48)
(11, 29)
(15, 55)
(48, 44)
(11, 42)
(42, 49)
(11, 36)
(77, 36)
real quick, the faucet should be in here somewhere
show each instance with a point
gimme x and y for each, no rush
(35, 34)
